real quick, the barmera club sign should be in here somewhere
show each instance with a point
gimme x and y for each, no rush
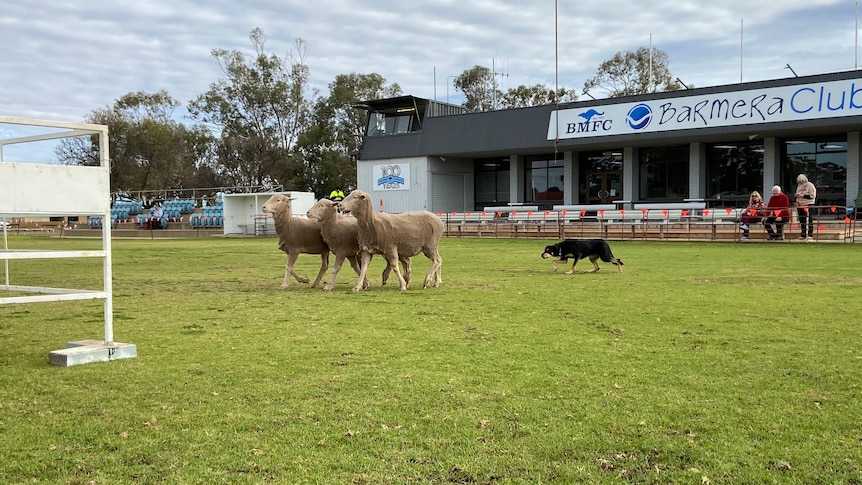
(788, 103)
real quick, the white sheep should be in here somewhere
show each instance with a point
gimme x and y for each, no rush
(396, 236)
(341, 235)
(296, 235)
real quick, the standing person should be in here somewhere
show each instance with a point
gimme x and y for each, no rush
(337, 195)
(753, 214)
(777, 212)
(805, 195)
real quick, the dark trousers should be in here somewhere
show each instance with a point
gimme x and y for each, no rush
(806, 222)
(748, 221)
(779, 226)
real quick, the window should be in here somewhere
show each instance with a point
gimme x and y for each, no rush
(734, 170)
(823, 161)
(544, 180)
(385, 123)
(664, 173)
(492, 182)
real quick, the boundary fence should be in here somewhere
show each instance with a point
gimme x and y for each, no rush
(644, 221)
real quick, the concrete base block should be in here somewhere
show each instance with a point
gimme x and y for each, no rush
(88, 351)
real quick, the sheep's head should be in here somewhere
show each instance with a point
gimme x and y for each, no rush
(277, 204)
(355, 201)
(323, 209)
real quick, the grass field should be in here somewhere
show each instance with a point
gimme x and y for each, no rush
(701, 363)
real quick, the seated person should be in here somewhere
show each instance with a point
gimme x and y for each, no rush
(156, 217)
(777, 213)
(753, 214)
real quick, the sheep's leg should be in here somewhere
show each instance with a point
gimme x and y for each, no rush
(366, 260)
(288, 272)
(439, 278)
(405, 264)
(392, 260)
(339, 260)
(386, 271)
(324, 265)
(354, 263)
(434, 275)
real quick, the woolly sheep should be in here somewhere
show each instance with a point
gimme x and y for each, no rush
(296, 235)
(341, 235)
(395, 236)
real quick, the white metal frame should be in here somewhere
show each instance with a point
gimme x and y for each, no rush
(39, 190)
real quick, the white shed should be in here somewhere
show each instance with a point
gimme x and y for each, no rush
(243, 214)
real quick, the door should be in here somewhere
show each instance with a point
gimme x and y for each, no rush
(604, 187)
(447, 192)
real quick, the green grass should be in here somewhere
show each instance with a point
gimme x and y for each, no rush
(701, 363)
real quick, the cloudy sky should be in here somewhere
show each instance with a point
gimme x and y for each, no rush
(61, 60)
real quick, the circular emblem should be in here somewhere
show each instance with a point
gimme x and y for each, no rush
(639, 117)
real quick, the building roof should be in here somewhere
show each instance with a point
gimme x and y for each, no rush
(527, 130)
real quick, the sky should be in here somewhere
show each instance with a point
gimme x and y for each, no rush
(62, 60)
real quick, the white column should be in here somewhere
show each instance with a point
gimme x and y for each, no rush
(571, 174)
(516, 178)
(697, 171)
(631, 174)
(771, 166)
(854, 160)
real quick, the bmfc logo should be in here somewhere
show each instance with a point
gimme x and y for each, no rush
(639, 117)
(594, 122)
(588, 114)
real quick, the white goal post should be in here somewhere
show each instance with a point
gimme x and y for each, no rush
(42, 189)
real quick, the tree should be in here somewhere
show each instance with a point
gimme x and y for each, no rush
(537, 95)
(324, 158)
(259, 108)
(629, 73)
(479, 87)
(149, 150)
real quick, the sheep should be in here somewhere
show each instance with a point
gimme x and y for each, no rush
(341, 235)
(296, 235)
(395, 236)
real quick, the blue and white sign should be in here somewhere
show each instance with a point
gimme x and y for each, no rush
(394, 176)
(789, 103)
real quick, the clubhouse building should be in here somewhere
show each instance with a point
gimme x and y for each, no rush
(713, 144)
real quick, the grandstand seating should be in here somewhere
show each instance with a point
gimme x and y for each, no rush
(210, 216)
(129, 206)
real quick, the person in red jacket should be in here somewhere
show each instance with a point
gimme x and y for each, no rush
(777, 213)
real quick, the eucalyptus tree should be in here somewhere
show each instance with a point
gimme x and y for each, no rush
(479, 88)
(148, 148)
(257, 110)
(536, 95)
(325, 154)
(633, 72)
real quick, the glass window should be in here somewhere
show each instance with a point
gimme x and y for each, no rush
(544, 178)
(734, 170)
(611, 160)
(491, 182)
(823, 161)
(664, 173)
(386, 123)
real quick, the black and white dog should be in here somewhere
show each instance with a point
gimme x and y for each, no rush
(578, 249)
